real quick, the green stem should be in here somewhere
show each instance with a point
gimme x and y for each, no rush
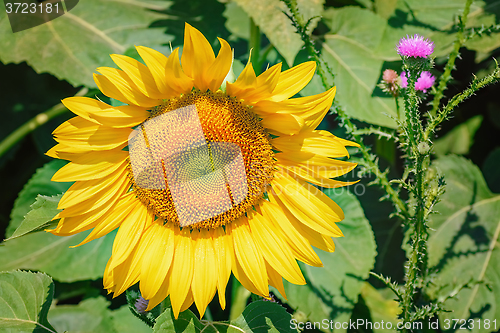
(450, 65)
(459, 98)
(254, 44)
(33, 124)
(396, 99)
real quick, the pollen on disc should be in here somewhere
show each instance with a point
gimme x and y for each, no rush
(202, 159)
(204, 179)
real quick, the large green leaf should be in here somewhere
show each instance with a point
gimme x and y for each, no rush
(39, 183)
(332, 291)
(490, 170)
(90, 315)
(125, 322)
(269, 16)
(349, 50)
(459, 139)
(433, 19)
(53, 255)
(40, 216)
(259, 316)
(72, 46)
(382, 306)
(46, 252)
(464, 246)
(25, 299)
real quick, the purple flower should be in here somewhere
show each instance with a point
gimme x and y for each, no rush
(415, 46)
(424, 82)
(404, 80)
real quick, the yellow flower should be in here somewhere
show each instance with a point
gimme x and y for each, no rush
(200, 182)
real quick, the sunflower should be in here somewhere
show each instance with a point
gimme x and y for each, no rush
(200, 181)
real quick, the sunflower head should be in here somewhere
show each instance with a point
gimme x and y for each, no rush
(200, 182)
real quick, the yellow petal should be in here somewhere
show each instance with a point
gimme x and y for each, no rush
(108, 88)
(188, 301)
(85, 190)
(127, 87)
(312, 177)
(104, 114)
(274, 249)
(245, 81)
(308, 204)
(182, 269)
(217, 72)
(301, 248)
(78, 134)
(310, 141)
(279, 123)
(205, 270)
(156, 63)
(177, 80)
(248, 255)
(223, 247)
(263, 86)
(139, 74)
(293, 80)
(74, 153)
(129, 233)
(76, 128)
(275, 280)
(322, 166)
(157, 258)
(92, 166)
(114, 217)
(197, 56)
(162, 293)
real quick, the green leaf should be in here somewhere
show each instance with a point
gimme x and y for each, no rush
(25, 299)
(53, 255)
(90, 315)
(382, 306)
(269, 16)
(46, 252)
(332, 291)
(40, 216)
(348, 49)
(464, 246)
(187, 322)
(259, 316)
(459, 139)
(39, 183)
(262, 316)
(125, 322)
(490, 170)
(78, 42)
(237, 21)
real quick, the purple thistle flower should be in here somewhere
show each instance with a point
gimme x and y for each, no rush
(141, 305)
(404, 80)
(424, 82)
(415, 46)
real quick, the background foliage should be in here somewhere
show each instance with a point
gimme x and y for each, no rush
(42, 65)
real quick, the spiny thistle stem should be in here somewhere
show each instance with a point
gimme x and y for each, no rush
(416, 157)
(450, 65)
(368, 159)
(475, 85)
